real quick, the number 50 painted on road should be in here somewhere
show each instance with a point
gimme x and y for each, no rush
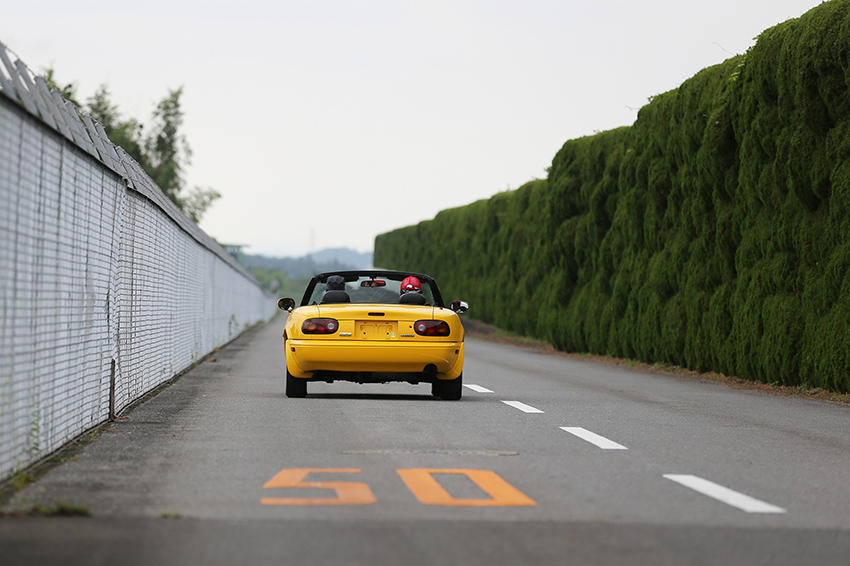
(420, 481)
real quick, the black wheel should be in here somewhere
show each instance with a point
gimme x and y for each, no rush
(295, 387)
(448, 390)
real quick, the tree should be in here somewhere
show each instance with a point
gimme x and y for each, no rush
(124, 133)
(163, 150)
(197, 201)
(166, 148)
(167, 153)
(68, 91)
(101, 108)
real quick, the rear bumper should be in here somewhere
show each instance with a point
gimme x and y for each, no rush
(309, 358)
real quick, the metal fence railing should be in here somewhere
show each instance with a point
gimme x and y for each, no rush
(108, 290)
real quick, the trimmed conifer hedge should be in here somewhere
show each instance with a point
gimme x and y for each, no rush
(714, 233)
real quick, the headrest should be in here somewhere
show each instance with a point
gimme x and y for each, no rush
(412, 299)
(335, 296)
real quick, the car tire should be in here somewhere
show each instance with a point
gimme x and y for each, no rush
(448, 390)
(295, 387)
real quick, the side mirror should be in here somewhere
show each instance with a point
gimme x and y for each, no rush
(459, 307)
(286, 304)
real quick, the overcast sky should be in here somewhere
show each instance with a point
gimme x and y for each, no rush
(326, 122)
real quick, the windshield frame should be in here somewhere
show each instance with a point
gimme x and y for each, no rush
(373, 274)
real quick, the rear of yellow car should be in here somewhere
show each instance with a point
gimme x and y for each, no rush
(374, 343)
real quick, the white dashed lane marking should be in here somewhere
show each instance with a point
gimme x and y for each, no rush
(593, 438)
(522, 407)
(724, 494)
(477, 388)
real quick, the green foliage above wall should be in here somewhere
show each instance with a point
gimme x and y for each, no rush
(714, 233)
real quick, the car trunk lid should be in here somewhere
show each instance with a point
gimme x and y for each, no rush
(376, 321)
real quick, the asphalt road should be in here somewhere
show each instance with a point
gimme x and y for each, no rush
(547, 460)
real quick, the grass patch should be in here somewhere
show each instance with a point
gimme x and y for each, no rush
(21, 480)
(58, 509)
(62, 509)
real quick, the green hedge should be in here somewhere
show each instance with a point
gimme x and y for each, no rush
(714, 233)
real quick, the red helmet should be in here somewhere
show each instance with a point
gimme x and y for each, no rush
(410, 284)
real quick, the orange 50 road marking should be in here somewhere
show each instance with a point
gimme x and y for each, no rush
(347, 493)
(420, 481)
(428, 491)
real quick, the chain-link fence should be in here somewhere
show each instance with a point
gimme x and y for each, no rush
(108, 290)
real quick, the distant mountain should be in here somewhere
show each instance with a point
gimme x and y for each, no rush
(331, 259)
(346, 256)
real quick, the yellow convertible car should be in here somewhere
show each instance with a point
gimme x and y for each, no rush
(373, 326)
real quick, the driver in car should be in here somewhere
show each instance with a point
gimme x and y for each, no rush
(411, 292)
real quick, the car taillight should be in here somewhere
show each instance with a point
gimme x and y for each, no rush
(431, 328)
(320, 326)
